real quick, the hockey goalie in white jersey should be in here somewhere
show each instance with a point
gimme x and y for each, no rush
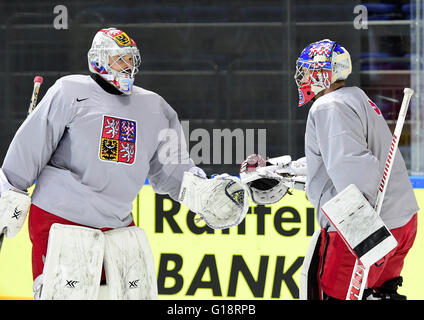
(90, 145)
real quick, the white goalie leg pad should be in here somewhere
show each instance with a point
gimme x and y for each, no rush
(129, 265)
(361, 228)
(309, 288)
(73, 264)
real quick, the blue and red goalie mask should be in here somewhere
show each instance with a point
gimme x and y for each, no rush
(320, 64)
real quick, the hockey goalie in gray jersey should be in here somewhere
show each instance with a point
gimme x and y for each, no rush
(90, 145)
(346, 143)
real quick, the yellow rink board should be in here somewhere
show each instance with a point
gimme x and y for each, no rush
(259, 259)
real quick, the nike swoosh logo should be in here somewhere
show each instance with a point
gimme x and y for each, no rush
(79, 100)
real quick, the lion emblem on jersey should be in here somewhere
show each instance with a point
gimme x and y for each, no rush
(118, 140)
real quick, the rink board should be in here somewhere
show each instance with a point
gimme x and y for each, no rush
(259, 259)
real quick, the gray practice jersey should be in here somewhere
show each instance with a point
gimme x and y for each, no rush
(91, 151)
(346, 142)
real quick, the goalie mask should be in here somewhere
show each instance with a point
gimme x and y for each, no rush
(114, 56)
(320, 64)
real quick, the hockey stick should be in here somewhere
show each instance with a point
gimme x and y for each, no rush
(38, 80)
(2, 236)
(360, 273)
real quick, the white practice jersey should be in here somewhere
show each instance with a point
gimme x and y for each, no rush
(90, 151)
(347, 141)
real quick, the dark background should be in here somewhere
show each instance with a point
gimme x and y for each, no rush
(219, 63)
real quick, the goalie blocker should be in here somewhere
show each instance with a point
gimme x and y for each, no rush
(360, 227)
(14, 207)
(328, 263)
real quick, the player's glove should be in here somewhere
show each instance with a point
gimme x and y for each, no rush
(291, 173)
(270, 180)
(222, 201)
(14, 207)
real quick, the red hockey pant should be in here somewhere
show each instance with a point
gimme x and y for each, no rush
(338, 261)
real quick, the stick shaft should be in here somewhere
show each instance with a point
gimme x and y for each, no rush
(360, 274)
(393, 148)
(1, 239)
(37, 84)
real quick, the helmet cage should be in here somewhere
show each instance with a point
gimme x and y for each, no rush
(106, 52)
(311, 78)
(131, 67)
